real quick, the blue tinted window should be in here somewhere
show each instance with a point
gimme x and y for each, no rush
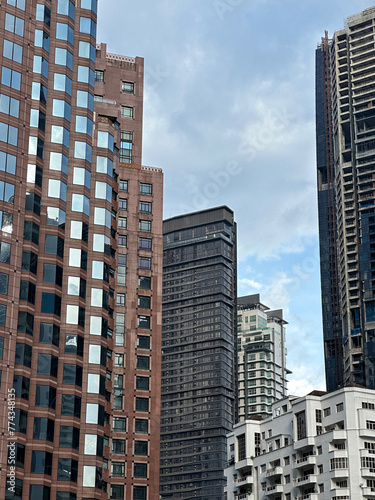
(58, 161)
(41, 39)
(7, 163)
(60, 135)
(11, 78)
(39, 92)
(20, 4)
(8, 134)
(9, 105)
(64, 32)
(63, 57)
(82, 150)
(105, 140)
(14, 24)
(85, 100)
(12, 51)
(40, 66)
(84, 125)
(63, 83)
(86, 75)
(104, 165)
(87, 25)
(61, 108)
(43, 14)
(87, 50)
(66, 8)
(90, 5)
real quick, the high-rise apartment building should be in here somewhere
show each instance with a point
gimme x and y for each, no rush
(262, 368)
(312, 448)
(346, 167)
(199, 352)
(80, 263)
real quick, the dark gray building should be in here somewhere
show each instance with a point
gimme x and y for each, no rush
(199, 384)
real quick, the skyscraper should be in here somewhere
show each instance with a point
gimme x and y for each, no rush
(199, 352)
(346, 165)
(262, 368)
(80, 262)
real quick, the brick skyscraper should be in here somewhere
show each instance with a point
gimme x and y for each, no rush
(80, 262)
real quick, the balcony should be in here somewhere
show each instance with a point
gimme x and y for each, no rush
(244, 496)
(275, 489)
(368, 472)
(274, 471)
(245, 463)
(308, 496)
(244, 481)
(305, 480)
(304, 443)
(368, 492)
(302, 462)
(340, 473)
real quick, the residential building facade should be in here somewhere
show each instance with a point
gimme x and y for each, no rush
(262, 368)
(316, 447)
(199, 387)
(346, 156)
(80, 321)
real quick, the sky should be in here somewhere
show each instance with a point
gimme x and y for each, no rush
(229, 115)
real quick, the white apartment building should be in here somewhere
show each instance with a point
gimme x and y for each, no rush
(261, 357)
(317, 447)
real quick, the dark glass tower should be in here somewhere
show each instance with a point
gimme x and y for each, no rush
(346, 182)
(199, 352)
(332, 330)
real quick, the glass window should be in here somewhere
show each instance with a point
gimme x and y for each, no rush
(128, 87)
(140, 447)
(102, 217)
(72, 374)
(103, 191)
(145, 226)
(51, 303)
(123, 186)
(41, 462)
(14, 24)
(9, 106)
(96, 297)
(99, 75)
(118, 469)
(94, 414)
(34, 174)
(27, 289)
(81, 177)
(142, 383)
(141, 425)
(89, 4)
(12, 50)
(144, 282)
(93, 445)
(65, 32)
(144, 262)
(101, 243)
(119, 424)
(80, 203)
(87, 25)
(93, 383)
(21, 385)
(55, 217)
(69, 437)
(86, 50)
(145, 207)
(92, 476)
(143, 342)
(144, 302)
(54, 245)
(145, 243)
(61, 108)
(122, 222)
(7, 163)
(71, 405)
(29, 261)
(118, 446)
(84, 125)
(44, 429)
(62, 83)
(140, 470)
(145, 188)
(142, 404)
(57, 189)
(20, 420)
(52, 274)
(8, 134)
(25, 322)
(63, 58)
(78, 258)
(74, 344)
(127, 111)
(67, 470)
(23, 355)
(3, 313)
(58, 161)
(105, 140)
(41, 40)
(49, 334)
(20, 4)
(60, 135)
(32, 203)
(45, 396)
(143, 362)
(82, 150)
(11, 78)
(40, 66)
(43, 14)
(66, 8)
(104, 165)
(31, 232)
(47, 364)
(39, 92)
(86, 75)
(85, 100)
